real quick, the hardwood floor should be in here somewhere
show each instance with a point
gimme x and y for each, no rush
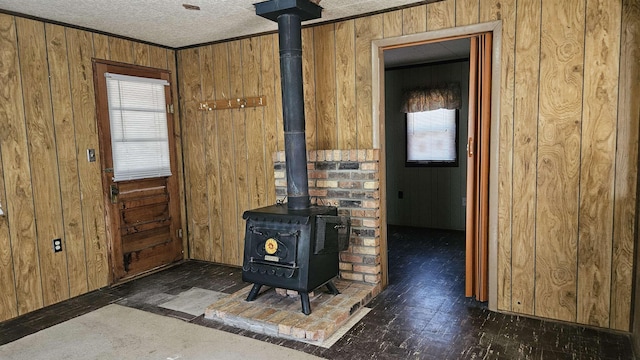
(423, 314)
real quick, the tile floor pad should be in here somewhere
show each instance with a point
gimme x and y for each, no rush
(281, 316)
(193, 301)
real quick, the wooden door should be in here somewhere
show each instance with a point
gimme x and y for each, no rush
(143, 214)
(477, 213)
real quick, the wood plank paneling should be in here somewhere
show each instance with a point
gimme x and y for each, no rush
(158, 58)
(67, 162)
(367, 29)
(210, 159)
(441, 15)
(392, 22)
(121, 50)
(214, 242)
(17, 176)
(227, 161)
(141, 54)
(345, 85)
(8, 303)
(561, 76)
(80, 51)
(251, 80)
(525, 143)
(239, 122)
(42, 157)
(602, 48)
(625, 196)
(267, 63)
(504, 10)
(193, 126)
(101, 46)
(277, 101)
(309, 89)
(325, 58)
(414, 20)
(467, 12)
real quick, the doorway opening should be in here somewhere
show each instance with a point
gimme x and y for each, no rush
(437, 198)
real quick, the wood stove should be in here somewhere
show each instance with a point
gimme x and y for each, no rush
(295, 245)
(293, 249)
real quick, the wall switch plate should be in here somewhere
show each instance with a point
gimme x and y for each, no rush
(57, 245)
(91, 155)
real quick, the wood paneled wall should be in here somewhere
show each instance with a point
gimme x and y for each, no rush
(48, 189)
(432, 196)
(568, 140)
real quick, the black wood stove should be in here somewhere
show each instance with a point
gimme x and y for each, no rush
(295, 245)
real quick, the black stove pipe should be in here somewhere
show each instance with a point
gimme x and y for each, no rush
(290, 38)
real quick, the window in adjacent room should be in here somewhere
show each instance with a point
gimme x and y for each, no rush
(432, 138)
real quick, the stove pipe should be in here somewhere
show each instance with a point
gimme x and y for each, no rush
(289, 14)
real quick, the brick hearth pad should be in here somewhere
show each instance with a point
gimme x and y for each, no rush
(277, 315)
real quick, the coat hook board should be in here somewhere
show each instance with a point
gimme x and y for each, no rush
(237, 103)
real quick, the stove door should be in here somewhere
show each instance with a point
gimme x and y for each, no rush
(332, 234)
(276, 246)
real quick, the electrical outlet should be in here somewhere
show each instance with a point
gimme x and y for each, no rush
(57, 245)
(464, 201)
(400, 194)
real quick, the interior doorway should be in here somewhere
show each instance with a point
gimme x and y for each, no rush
(489, 148)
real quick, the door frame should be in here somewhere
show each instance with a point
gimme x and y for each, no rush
(378, 109)
(143, 71)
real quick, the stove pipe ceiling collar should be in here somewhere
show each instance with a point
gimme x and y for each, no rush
(289, 14)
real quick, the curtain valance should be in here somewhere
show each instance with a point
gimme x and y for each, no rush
(444, 96)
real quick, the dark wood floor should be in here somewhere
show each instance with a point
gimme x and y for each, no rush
(423, 314)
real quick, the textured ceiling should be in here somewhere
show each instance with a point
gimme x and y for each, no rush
(168, 23)
(427, 53)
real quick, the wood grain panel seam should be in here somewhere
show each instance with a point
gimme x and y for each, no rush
(234, 242)
(63, 235)
(265, 155)
(3, 198)
(73, 117)
(26, 139)
(612, 291)
(579, 170)
(535, 214)
(205, 146)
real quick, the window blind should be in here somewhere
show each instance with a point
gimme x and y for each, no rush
(139, 134)
(431, 136)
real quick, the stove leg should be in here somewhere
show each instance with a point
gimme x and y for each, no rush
(332, 288)
(253, 294)
(306, 306)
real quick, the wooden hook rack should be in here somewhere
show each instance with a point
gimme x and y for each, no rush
(238, 103)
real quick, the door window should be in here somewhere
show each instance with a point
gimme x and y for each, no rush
(138, 118)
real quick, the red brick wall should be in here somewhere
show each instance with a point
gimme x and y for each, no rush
(348, 179)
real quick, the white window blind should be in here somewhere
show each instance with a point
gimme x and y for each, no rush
(431, 136)
(139, 135)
